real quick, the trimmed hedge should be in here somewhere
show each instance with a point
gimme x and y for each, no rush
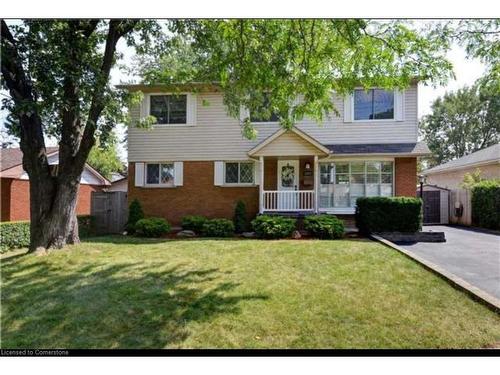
(152, 227)
(273, 227)
(16, 234)
(218, 228)
(485, 203)
(324, 226)
(388, 214)
(86, 225)
(194, 223)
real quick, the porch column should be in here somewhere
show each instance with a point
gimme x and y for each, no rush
(261, 184)
(316, 183)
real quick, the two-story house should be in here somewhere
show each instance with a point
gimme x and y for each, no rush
(195, 160)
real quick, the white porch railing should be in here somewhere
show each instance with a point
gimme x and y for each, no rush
(292, 200)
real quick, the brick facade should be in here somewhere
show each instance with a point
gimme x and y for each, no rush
(16, 199)
(197, 196)
(405, 177)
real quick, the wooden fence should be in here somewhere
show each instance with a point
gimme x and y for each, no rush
(110, 211)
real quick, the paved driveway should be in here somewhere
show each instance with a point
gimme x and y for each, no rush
(471, 255)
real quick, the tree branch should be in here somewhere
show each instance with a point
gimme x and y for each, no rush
(21, 91)
(117, 29)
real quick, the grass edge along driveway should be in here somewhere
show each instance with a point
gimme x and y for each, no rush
(119, 292)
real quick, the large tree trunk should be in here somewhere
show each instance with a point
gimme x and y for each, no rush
(53, 198)
(55, 224)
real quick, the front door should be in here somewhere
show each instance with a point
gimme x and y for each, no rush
(288, 183)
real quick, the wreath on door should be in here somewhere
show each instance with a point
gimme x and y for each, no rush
(287, 176)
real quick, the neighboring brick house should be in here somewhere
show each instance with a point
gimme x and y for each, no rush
(15, 190)
(196, 161)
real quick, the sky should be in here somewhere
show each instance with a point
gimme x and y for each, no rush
(467, 71)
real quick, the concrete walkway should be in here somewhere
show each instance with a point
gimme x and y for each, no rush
(471, 255)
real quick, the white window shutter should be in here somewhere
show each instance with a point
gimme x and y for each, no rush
(178, 173)
(348, 104)
(256, 170)
(191, 109)
(139, 174)
(399, 105)
(218, 173)
(244, 113)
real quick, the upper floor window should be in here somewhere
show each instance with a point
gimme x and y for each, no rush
(265, 113)
(169, 109)
(161, 174)
(374, 104)
(239, 173)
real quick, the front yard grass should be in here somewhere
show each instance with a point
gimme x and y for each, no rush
(118, 292)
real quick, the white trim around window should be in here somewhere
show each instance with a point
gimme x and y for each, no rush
(163, 168)
(398, 103)
(239, 183)
(191, 108)
(332, 185)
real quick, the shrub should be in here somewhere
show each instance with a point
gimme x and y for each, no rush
(485, 203)
(324, 226)
(135, 214)
(240, 217)
(86, 225)
(152, 227)
(218, 228)
(194, 223)
(266, 226)
(388, 214)
(16, 234)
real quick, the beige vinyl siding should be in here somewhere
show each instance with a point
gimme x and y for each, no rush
(217, 136)
(288, 144)
(335, 130)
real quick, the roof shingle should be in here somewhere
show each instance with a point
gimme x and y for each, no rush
(418, 148)
(11, 157)
(489, 154)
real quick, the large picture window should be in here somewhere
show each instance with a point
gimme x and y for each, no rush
(168, 109)
(341, 183)
(239, 173)
(160, 174)
(374, 104)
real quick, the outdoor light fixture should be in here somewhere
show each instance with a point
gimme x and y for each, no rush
(421, 179)
(308, 165)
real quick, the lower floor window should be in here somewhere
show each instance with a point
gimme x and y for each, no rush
(341, 183)
(239, 172)
(161, 174)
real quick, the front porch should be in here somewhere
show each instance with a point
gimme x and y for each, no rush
(288, 172)
(289, 185)
(298, 176)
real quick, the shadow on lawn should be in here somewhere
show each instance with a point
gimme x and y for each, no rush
(118, 306)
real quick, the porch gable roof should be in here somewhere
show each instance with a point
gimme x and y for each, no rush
(293, 142)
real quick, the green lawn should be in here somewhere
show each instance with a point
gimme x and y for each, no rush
(116, 292)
